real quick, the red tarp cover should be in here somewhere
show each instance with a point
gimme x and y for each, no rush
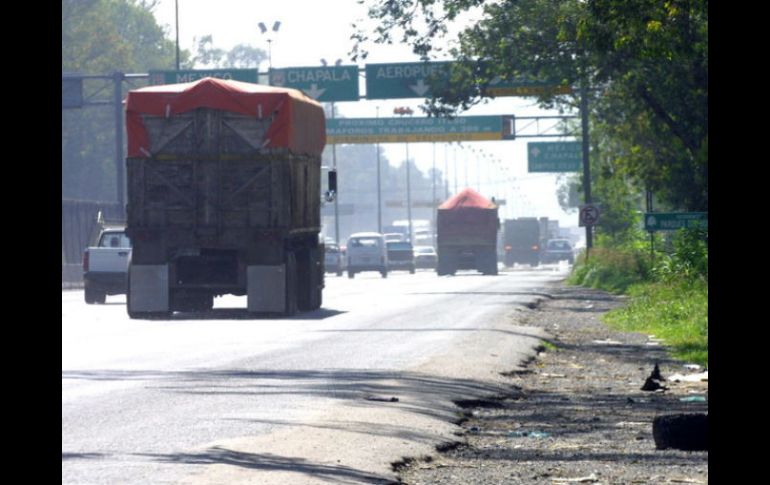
(299, 123)
(467, 199)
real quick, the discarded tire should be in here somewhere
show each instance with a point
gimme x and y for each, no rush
(687, 432)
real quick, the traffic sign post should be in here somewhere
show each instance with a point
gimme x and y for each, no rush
(322, 83)
(589, 215)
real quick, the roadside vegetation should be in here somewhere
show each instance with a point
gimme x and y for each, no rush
(668, 288)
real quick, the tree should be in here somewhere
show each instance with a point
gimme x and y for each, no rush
(645, 62)
(101, 37)
(207, 56)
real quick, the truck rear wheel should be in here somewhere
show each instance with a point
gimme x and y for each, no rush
(94, 295)
(310, 286)
(291, 285)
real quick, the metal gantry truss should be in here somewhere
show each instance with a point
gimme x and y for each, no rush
(544, 126)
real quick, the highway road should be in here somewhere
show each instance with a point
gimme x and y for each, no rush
(336, 395)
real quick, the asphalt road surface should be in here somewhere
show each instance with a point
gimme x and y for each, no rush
(335, 395)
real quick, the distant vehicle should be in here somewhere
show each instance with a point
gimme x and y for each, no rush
(394, 236)
(521, 241)
(425, 257)
(400, 256)
(466, 234)
(367, 252)
(558, 250)
(105, 266)
(334, 259)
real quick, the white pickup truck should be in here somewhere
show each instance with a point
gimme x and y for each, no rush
(105, 266)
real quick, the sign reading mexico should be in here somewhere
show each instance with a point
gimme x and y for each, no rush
(412, 130)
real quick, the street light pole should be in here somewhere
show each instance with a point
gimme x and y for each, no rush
(379, 186)
(407, 111)
(263, 29)
(336, 199)
(176, 19)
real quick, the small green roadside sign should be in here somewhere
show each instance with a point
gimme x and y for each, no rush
(322, 83)
(176, 77)
(673, 221)
(560, 156)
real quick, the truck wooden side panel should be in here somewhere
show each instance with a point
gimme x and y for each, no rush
(208, 183)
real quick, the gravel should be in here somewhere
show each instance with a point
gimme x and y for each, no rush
(577, 413)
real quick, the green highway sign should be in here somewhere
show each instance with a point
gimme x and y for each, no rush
(415, 130)
(403, 80)
(500, 87)
(414, 80)
(175, 77)
(323, 83)
(673, 221)
(560, 156)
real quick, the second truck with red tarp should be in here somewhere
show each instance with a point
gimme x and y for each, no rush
(223, 184)
(466, 234)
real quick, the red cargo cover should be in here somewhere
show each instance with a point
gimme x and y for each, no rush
(299, 122)
(467, 199)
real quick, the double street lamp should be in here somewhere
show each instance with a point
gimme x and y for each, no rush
(263, 29)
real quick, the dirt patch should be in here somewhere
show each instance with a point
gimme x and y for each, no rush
(577, 414)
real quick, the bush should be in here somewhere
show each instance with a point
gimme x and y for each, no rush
(676, 312)
(689, 259)
(613, 270)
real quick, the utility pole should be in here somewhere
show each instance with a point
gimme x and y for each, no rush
(119, 160)
(586, 161)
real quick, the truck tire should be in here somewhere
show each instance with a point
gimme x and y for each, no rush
(351, 274)
(687, 432)
(94, 295)
(310, 285)
(291, 285)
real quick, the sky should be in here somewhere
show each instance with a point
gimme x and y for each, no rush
(312, 30)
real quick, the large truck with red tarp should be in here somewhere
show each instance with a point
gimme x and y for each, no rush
(223, 184)
(466, 232)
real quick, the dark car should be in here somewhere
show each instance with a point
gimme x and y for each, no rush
(400, 256)
(425, 257)
(334, 259)
(558, 250)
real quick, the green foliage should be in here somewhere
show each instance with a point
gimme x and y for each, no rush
(101, 37)
(689, 259)
(675, 311)
(611, 269)
(669, 298)
(646, 64)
